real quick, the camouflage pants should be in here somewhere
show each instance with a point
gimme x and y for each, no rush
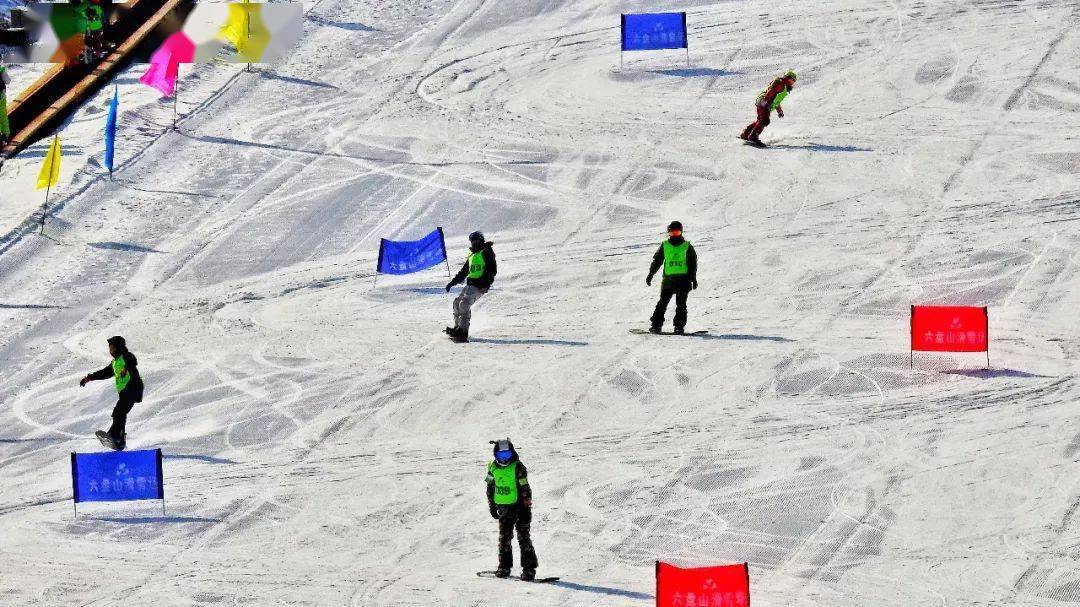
(519, 520)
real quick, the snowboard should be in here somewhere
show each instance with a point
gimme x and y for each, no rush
(106, 440)
(646, 332)
(539, 580)
(756, 144)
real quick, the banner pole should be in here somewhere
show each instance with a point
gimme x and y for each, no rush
(376, 279)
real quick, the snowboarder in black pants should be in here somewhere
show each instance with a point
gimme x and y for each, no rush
(509, 500)
(124, 369)
(679, 260)
(479, 274)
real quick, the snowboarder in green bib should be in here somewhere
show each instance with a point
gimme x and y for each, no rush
(769, 100)
(509, 500)
(679, 260)
(478, 273)
(124, 369)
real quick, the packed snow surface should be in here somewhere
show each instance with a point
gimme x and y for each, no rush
(325, 444)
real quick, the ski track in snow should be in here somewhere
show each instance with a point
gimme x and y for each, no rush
(325, 444)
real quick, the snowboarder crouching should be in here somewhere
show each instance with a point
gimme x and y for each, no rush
(478, 272)
(124, 368)
(767, 101)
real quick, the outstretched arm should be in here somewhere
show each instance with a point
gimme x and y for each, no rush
(105, 373)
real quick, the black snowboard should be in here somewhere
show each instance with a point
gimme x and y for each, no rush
(756, 144)
(106, 440)
(647, 332)
(539, 580)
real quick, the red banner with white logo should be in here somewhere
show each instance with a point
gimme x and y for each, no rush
(723, 586)
(950, 329)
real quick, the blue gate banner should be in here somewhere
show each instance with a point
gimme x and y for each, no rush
(653, 31)
(117, 476)
(408, 256)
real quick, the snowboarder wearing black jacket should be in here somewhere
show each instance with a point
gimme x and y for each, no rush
(679, 260)
(509, 499)
(124, 369)
(478, 273)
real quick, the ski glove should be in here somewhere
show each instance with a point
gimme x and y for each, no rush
(527, 502)
(449, 286)
(494, 513)
(82, 382)
(780, 112)
(693, 285)
(648, 280)
(500, 512)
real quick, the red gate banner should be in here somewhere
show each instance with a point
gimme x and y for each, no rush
(723, 586)
(950, 329)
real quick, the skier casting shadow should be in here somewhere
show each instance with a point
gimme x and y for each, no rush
(509, 499)
(478, 272)
(767, 101)
(124, 368)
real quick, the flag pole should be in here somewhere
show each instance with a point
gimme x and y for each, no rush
(176, 95)
(45, 210)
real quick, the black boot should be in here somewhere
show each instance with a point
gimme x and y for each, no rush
(679, 331)
(654, 329)
(460, 336)
(528, 575)
(500, 572)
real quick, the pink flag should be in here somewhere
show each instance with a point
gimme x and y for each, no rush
(165, 63)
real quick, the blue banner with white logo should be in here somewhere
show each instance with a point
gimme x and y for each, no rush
(117, 476)
(408, 256)
(653, 31)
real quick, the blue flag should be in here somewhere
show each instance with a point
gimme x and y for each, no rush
(110, 130)
(653, 31)
(117, 476)
(406, 257)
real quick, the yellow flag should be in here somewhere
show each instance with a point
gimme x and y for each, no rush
(50, 171)
(246, 30)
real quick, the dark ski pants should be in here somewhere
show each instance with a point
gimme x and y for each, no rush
(519, 519)
(119, 418)
(753, 130)
(680, 292)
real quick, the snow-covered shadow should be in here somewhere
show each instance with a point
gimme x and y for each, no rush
(142, 520)
(992, 373)
(694, 72)
(4, 306)
(629, 594)
(528, 342)
(746, 337)
(123, 246)
(290, 79)
(818, 147)
(345, 25)
(424, 290)
(209, 459)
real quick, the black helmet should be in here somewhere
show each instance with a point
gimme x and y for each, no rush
(476, 236)
(675, 225)
(503, 451)
(118, 341)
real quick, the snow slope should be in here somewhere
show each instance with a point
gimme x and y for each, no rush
(326, 444)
